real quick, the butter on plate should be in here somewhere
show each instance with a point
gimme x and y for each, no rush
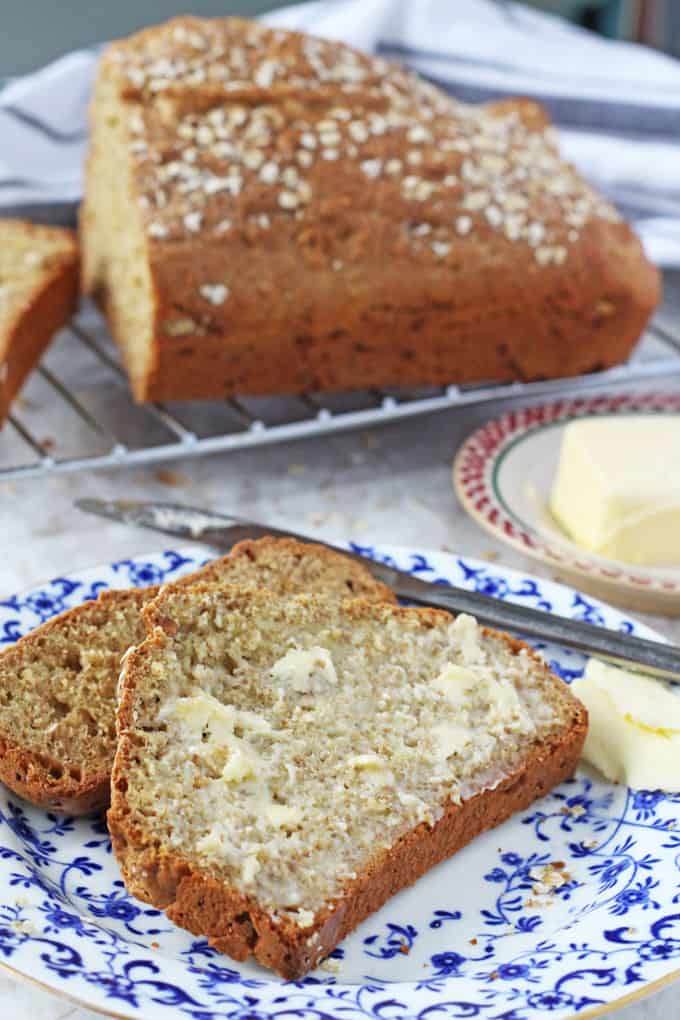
(617, 489)
(633, 727)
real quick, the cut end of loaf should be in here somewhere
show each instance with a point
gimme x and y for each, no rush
(38, 294)
(255, 734)
(115, 267)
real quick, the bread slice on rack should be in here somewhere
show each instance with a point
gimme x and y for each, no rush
(286, 765)
(38, 294)
(58, 683)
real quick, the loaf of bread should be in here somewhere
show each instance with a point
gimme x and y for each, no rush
(58, 684)
(286, 765)
(38, 295)
(269, 212)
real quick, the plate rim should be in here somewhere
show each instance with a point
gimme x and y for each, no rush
(478, 460)
(645, 992)
(388, 549)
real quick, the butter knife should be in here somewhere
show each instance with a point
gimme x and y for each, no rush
(223, 531)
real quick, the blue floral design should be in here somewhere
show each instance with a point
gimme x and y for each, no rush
(398, 938)
(645, 803)
(142, 573)
(67, 919)
(638, 895)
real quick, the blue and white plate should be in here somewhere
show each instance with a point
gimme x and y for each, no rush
(477, 937)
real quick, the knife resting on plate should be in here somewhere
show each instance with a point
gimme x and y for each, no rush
(223, 531)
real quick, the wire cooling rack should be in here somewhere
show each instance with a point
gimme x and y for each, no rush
(76, 414)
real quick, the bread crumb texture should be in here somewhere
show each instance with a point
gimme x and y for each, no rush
(29, 256)
(38, 293)
(281, 745)
(58, 684)
(57, 698)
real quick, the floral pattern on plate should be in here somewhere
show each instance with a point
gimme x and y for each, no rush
(568, 906)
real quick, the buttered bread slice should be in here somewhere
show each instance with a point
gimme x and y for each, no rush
(58, 683)
(284, 766)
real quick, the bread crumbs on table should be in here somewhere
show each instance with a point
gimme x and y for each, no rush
(473, 942)
(332, 966)
(370, 441)
(173, 478)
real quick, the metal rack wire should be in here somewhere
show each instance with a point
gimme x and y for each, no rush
(76, 412)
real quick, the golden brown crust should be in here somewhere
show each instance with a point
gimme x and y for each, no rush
(351, 274)
(236, 924)
(45, 780)
(48, 304)
(35, 773)
(353, 577)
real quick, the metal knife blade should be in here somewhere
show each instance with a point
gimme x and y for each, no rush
(223, 531)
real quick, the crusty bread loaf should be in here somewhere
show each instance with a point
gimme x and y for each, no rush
(284, 766)
(38, 294)
(58, 683)
(269, 212)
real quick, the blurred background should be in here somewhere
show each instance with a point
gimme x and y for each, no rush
(35, 31)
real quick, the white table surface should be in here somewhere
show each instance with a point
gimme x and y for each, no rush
(388, 485)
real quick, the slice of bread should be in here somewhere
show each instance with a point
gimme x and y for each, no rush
(57, 698)
(58, 684)
(38, 294)
(284, 766)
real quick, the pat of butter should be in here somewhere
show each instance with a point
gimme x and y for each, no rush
(282, 815)
(456, 683)
(466, 630)
(372, 769)
(466, 688)
(617, 490)
(213, 725)
(634, 727)
(450, 738)
(307, 670)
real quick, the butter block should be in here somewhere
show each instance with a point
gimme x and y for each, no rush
(617, 489)
(306, 670)
(633, 728)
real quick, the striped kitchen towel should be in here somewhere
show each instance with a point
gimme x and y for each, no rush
(617, 104)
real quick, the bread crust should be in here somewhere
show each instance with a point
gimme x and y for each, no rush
(49, 306)
(236, 924)
(341, 291)
(37, 775)
(33, 774)
(357, 579)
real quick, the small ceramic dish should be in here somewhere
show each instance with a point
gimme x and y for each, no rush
(503, 474)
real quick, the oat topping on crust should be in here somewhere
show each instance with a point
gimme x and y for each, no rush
(232, 122)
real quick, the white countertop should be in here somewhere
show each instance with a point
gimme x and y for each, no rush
(391, 485)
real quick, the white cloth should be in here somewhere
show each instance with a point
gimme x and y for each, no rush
(617, 104)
